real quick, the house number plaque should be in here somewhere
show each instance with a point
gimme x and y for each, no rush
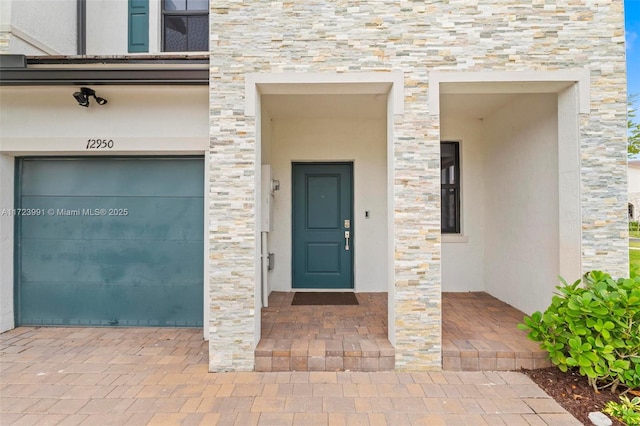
(99, 144)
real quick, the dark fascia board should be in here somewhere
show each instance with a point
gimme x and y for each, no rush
(96, 76)
(130, 60)
(12, 61)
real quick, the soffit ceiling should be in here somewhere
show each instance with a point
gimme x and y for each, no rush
(366, 106)
(374, 106)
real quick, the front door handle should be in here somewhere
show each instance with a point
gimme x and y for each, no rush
(347, 235)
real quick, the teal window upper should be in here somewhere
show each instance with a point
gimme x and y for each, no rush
(138, 40)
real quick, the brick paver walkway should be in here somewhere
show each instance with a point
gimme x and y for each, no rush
(325, 338)
(480, 332)
(88, 376)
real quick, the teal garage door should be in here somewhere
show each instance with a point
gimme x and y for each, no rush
(110, 241)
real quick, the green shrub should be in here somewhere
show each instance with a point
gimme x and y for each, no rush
(627, 411)
(594, 327)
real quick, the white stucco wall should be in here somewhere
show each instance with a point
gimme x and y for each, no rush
(38, 24)
(6, 243)
(463, 255)
(137, 118)
(107, 24)
(362, 141)
(147, 120)
(49, 27)
(633, 173)
(266, 132)
(19, 46)
(521, 202)
(5, 14)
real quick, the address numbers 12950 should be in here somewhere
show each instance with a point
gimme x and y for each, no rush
(99, 144)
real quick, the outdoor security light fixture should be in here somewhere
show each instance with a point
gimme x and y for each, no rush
(82, 97)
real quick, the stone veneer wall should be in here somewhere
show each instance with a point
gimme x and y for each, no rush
(4, 41)
(414, 37)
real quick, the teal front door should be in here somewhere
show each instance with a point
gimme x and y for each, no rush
(323, 225)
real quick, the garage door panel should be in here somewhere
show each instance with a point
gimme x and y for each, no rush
(105, 217)
(95, 177)
(112, 304)
(87, 261)
(108, 261)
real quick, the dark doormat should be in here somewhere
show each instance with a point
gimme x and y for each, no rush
(324, 298)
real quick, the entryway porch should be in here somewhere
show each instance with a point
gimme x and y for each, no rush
(325, 337)
(478, 333)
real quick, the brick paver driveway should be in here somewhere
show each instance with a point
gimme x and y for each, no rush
(89, 376)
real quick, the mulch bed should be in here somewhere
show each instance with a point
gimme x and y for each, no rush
(572, 392)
